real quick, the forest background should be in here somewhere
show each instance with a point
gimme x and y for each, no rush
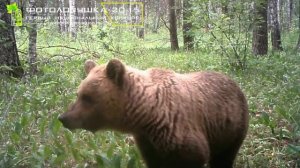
(43, 45)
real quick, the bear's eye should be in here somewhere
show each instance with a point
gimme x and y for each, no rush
(87, 98)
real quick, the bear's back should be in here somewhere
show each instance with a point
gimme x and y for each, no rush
(206, 100)
(202, 115)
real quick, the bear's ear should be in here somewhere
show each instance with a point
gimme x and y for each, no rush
(115, 71)
(89, 65)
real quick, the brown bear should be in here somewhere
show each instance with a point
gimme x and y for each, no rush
(177, 120)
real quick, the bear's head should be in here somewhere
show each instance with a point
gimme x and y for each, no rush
(99, 103)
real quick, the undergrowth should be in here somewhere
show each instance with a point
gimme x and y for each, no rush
(31, 135)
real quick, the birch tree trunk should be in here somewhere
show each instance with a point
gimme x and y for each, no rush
(72, 14)
(8, 48)
(157, 16)
(173, 25)
(62, 17)
(32, 32)
(289, 10)
(89, 14)
(95, 11)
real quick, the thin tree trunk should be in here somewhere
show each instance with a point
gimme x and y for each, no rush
(289, 14)
(62, 24)
(279, 13)
(72, 14)
(89, 14)
(8, 48)
(224, 4)
(260, 29)
(157, 16)
(178, 12)
(32, 31)
(225, 11)
(141, 31)
(95, 11)
(275, 30)
(298, 44)
(188, 38)
(173, 25)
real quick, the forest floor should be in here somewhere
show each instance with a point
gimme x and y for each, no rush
(31, 135)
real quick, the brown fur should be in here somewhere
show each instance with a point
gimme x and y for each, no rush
(177, 120)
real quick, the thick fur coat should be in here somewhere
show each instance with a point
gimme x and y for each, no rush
(178, 120)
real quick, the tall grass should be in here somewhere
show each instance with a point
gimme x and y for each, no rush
(31, 135)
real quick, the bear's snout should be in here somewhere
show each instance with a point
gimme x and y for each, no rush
(65, 121)
(61, 118)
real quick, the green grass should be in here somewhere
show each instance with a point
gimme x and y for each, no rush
(31, 135)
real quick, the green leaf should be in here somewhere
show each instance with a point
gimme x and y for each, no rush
(116, 161)
(131, 163)
(68, 138)
(18, 127)
(15, 137)
(2, 25)
(24, 121)
(5, 67)
(265, 119)
(75, 153)
(55, 126)
(60, 159)
(42, 125)
(294, 149)
(102, 161)
(47, 151)
(110, 150)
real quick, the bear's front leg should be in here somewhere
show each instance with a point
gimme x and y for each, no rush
(192, 152)
(149, 153)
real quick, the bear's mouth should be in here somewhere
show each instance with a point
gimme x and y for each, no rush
(68, 123)
(68, 126)
(89, 127)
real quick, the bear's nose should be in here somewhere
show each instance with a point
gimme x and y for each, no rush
(61, 118)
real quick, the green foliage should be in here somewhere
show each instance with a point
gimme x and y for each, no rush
(226, 28)
(31, 135)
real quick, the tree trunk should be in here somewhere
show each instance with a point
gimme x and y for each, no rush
(298, 44)
(8, 48)
(157, 16)
(275, 30)
(188, 37)
(224, 4)
(178, 12)
(95, 12)
(62, 24)
(141, 31)
(173, 25)
(289, 14)
(89, 14)
(279, 11)
(260, 28)
(32, 32)
(72, 14)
